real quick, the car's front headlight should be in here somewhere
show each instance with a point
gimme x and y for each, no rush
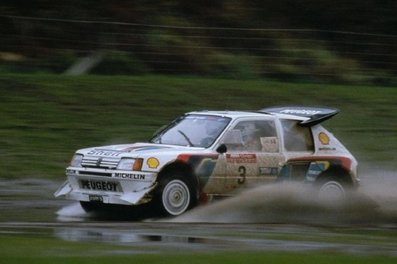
(76, 160)
(130, 164)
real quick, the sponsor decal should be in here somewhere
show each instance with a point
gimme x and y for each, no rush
(105, 153)
(149, 148)
(268, 171)
(204, 168)
(327, 149)
(315, 169)
(300, 112)
(132, 176)
(153, 163)
(98, 185)
(195, 158)
(324, 138)
(242, 175)
(204, 165)
(241, 158)
(345, 162)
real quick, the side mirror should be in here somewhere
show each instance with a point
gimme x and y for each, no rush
(221, 149)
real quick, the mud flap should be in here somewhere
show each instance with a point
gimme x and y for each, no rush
(64, 189)
(135, 197)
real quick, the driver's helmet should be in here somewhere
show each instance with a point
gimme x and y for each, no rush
(248, 130)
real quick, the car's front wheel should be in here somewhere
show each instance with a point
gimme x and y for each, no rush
(175, 195)
(90, 206)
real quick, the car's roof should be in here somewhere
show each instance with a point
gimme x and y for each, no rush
(227, 113)
(237, 114)
(308, 115)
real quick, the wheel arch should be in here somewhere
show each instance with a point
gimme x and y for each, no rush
(182, 167)
(338, 172)
(180, 170)
(320, 168)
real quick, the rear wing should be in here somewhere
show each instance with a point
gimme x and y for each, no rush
(313, 115)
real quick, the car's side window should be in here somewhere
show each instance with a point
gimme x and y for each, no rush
(297, 138)
(253, 135)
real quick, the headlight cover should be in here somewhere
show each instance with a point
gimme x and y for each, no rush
(76, 160)
(130, 164)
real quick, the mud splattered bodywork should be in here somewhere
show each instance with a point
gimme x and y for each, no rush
(212, 153)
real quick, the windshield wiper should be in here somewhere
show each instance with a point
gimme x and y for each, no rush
(187, 138)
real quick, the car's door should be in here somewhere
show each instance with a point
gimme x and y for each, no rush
(255, 155)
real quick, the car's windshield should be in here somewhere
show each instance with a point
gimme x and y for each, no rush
(192, 130)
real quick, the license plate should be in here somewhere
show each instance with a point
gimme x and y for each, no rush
(95, 198)
(94, 185)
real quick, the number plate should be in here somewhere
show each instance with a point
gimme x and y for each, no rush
(95, 185)
(95, 198)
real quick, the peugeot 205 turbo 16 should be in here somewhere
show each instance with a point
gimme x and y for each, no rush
(211, 154)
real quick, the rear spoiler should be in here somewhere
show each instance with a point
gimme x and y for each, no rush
(314, 115)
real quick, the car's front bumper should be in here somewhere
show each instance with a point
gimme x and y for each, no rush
(118, 187)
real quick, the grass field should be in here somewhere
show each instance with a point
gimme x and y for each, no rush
(45, 118)
(48, 250)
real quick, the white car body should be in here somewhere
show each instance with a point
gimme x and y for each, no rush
(130, 174)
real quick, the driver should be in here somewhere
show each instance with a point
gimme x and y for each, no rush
(250, 136)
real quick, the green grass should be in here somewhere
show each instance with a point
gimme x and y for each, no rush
(45, 118)
(230, 258)
(22, 249)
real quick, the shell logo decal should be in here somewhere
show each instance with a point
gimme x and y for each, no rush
(324, 138)
(153, 163)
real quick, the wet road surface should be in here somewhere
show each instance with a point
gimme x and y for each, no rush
(263, 219)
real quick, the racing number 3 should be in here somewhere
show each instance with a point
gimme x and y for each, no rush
(242, 170)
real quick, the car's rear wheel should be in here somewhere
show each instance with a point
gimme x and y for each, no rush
(175, 194)
(332, 189)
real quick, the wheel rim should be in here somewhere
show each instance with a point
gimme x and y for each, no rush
(176, 197)
(332, 191)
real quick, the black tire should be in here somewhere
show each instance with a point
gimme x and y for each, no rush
(175, 194)
(118, 212)
(89, 207)
(332, 189)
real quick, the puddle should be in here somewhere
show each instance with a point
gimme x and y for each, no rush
(272, 218)
(129, 237)
(148, 238)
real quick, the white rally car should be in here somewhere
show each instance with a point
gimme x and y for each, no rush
(212, 153)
